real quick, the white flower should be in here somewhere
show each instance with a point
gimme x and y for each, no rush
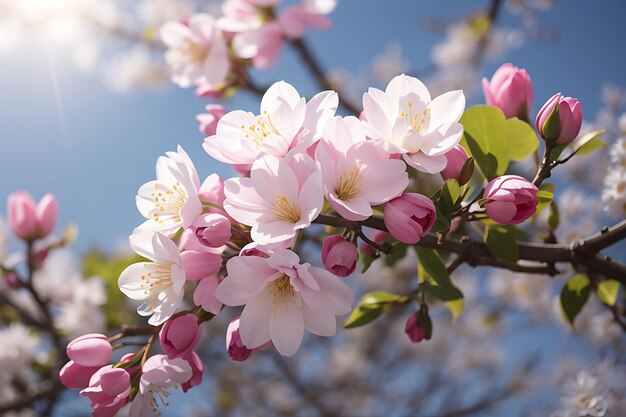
(407, 121)
(78, 318)
(160, 283)
(197, 53)
(389, 63)
(135, 69)
(19, 346)
(614, 192)
(171, 201)
(58, 276)
(618, 152)
(287, 125)
(584, 396)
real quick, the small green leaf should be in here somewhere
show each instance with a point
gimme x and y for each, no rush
(550, 128)
(467, 171)
(522, 139)
(455, 307)
(380, 297)
(433, 265)
(607, 291)
(587, 143)
(442, 292)
(485, 137)
(574, 295)
(501, 244)
(363, 315)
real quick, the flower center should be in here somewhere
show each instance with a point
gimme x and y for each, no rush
(158, 280)
(349, 183)
(261, 130)
(168, 202)
(195, 53)
(283, 291)
(154, 404)
(285, 210)
(415, 119)
(620, 187)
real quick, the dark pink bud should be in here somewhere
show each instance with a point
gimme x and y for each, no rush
(339, 255)
(180, 336)
(415, 332)
(512, 199)
(409, 217)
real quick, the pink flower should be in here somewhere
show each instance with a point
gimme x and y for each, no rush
(237, 351)
(415, 332)
(208, 121)
(339, 255)
(90, 350)
(204, 294)
(281, 197)
(159, 374)
(29, 220)
(212, 230)
(410, 217)
(295, 19)
(197, 53)
(180, 336)
(109, 391)
(200, 264)
(282, 298)
(408, 122)
(262, 45)
(567, 126)
(455, 159)
(287, 125)
(72, 375)
(357, 174)
(512, 199)
(197, 370)
(510, 90)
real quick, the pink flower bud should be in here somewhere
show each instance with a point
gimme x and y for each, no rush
(379, 237)
(339, 255)
(198, 265)
(73, 375)
(409, 217)
(511, 90)
(455, 158)
(197, 369)
(29, 220)
(208, 121)
(415, 332)
(512, 199)
(108, 390)
(563, 130)
(212, 230)
(237, 351)
(12, 280)
(90, 350)
(180, 336)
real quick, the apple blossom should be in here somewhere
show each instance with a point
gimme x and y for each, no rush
(197, 52)
(511, 90)
(108, 390)
(282, 298)
(359, 178)
(287, 125)
(410, 217)
(339, 255)
(171, 201)
(280, 197)
(159, 375)
(565, 128)
(180, 335)
(160, 283)
(237, 351)
(408, 122)
(511, 199)
(30, 220)
(90, 350)
(295, 19)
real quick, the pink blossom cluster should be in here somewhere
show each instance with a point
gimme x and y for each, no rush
(206, 51)
(235, 242)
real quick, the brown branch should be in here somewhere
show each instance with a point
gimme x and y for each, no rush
(320, 77)
(477, 253)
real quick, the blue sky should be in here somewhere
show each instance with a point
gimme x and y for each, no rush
(63, 131)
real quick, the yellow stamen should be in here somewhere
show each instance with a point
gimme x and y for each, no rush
(285, 210)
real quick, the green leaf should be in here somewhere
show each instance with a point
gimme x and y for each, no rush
(607, 291)
(522, 139)
(442, 292)
(370, 307)
(545, 196)
(455, 307)
(433, 265)
(587, 143)
(550, 128)
(486, 137)
(574, 295)
(501, 244)
(467, 171)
